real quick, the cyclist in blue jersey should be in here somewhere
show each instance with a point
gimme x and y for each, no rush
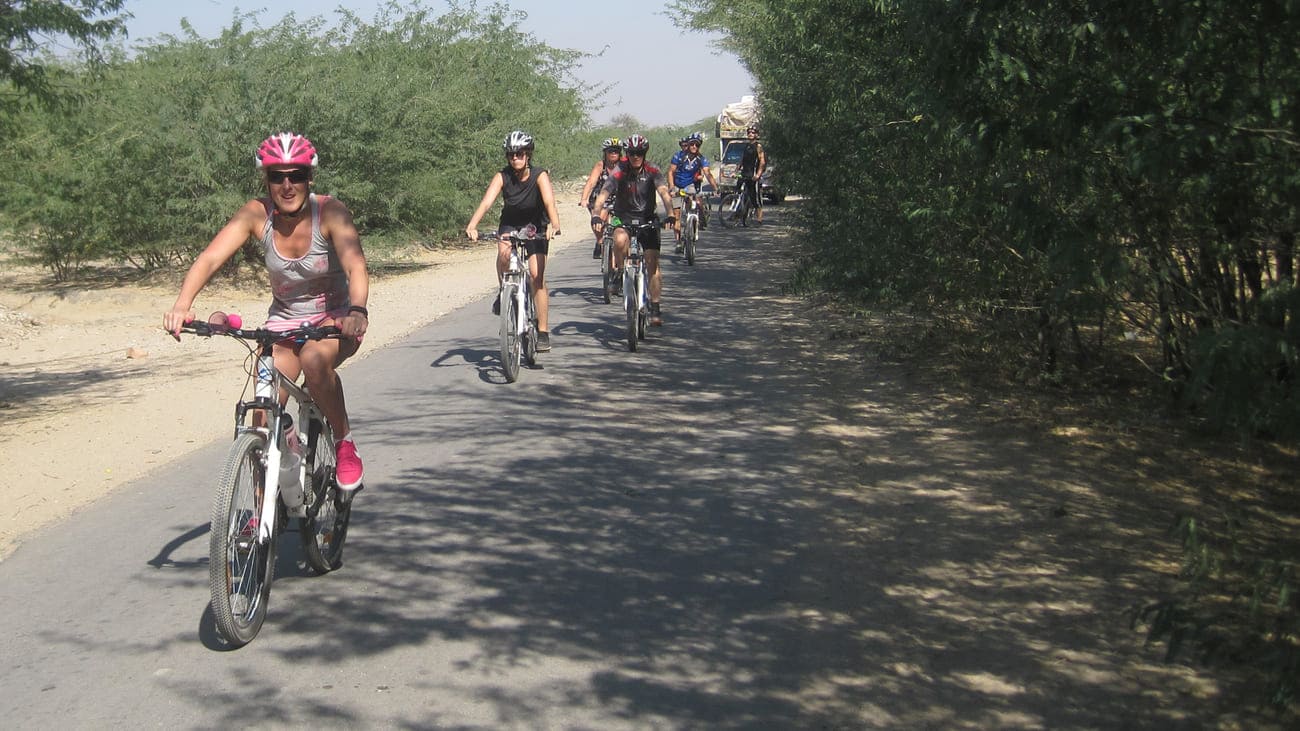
(686, 170)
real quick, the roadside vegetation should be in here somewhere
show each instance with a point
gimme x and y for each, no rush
(138, 160)
(1079, 195)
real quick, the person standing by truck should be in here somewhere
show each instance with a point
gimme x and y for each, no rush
(752, 163)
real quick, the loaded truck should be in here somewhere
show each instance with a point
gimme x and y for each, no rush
(735, 118)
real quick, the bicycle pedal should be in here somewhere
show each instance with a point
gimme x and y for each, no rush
(344, 497)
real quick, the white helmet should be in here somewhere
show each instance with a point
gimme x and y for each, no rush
(518, 141)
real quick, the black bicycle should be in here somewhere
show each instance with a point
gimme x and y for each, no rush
(735, 208)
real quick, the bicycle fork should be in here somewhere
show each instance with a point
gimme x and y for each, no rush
(265, 396)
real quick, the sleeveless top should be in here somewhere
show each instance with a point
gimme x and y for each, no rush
(600, 183)
(749, 160)
(522, 201)
(309, 286)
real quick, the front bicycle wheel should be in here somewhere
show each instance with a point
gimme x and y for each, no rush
(509, 334)
(325, 527)
(727, 209)
(692, 234)
(530, 331)
(632, 305)
(607, 269)
(240, 568)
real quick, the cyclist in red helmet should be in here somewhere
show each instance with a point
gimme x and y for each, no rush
(634, 185)
(318, 276)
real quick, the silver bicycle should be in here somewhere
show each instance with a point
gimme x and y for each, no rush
(691, 211)
(273, 471)
(518, 310)
(636, 291)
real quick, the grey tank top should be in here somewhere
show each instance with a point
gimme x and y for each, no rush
(310, 285)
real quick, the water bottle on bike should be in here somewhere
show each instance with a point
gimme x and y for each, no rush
(291, 453)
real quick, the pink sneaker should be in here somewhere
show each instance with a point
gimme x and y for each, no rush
(350, 470)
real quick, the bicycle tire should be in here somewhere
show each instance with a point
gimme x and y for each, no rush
(692, 235)
(725, 212)
(633, 307)
(240, 569)
(530, 332)
(509, 334)
(643, 312)
(606, 268)
(325, 527)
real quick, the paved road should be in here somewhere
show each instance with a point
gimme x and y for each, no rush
(677, 538)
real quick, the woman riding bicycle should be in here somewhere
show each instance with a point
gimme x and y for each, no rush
(318, 276)
(528, 200)
(612, 153)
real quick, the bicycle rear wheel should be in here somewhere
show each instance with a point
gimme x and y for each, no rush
(727, 210)
(606, 268)
(240, 569)
(530, 331)
(692, 234)
(509, 334)
(632, 305)
(325, 527)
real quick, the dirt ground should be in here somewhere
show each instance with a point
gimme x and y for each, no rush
(90, 384)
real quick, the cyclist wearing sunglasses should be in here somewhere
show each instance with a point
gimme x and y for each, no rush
(752, 163)
(686, 170)
(528, 200)
(633, 185)
(318, 276)
(612, 153)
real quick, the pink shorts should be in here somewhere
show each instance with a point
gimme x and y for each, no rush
(279, 326)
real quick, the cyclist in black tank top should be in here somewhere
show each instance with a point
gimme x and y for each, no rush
(529, 200)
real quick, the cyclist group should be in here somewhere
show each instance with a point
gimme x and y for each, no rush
(317, 269)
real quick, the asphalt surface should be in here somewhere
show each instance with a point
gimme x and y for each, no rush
(674, 538)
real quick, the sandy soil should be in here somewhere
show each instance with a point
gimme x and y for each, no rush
(90, 384)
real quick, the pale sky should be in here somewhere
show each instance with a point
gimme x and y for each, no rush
(647, 60)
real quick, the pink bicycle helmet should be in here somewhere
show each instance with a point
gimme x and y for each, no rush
(286, 148)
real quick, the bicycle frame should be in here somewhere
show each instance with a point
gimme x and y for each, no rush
(634, 280)
(516, 280)
(268, 381)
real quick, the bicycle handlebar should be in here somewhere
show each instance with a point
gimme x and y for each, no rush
(262, 335)
(512, 235)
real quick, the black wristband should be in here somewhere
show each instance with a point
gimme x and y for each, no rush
(360, 309)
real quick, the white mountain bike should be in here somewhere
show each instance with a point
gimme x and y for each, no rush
(518, 310)
(272, 471)
(690, 234)
(636, 285)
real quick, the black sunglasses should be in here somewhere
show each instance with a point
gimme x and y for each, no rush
(275, 177)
